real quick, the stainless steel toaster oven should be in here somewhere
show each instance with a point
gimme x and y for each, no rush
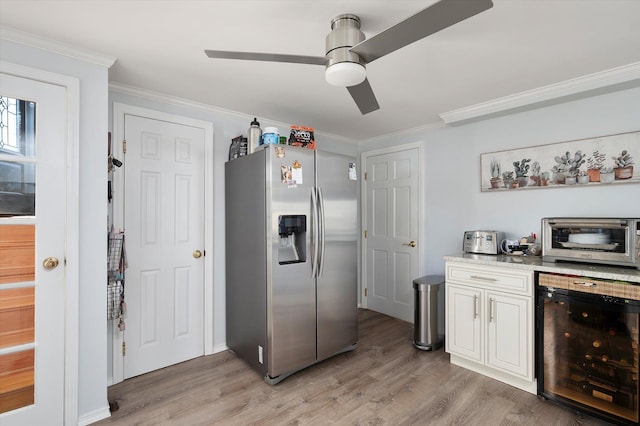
(611, 241)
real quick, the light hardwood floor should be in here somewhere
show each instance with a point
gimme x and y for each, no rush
(385, 381)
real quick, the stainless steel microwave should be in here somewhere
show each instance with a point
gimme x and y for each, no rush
(610, 241)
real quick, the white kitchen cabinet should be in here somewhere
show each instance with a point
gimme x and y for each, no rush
(510, 324)
(490, 322)
(463, 334)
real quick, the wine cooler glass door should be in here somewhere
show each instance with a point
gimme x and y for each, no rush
(587, 356)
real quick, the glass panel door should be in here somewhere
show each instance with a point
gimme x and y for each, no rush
(17, 253)
(588, 352)
(32, 251)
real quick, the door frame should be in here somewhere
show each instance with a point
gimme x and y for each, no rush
(72, 223)
(364, 157)
(119, 112)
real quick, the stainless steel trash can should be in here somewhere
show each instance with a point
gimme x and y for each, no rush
(428, 324)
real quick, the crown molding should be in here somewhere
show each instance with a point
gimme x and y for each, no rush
(600, 80)
(187, 103)
(17, 36)
(404, 133)
(151, 95)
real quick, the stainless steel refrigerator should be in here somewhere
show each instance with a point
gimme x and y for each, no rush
(291, 280)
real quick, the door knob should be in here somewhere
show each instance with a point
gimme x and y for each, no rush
(410, 244)
(50, 263)
(197, 254)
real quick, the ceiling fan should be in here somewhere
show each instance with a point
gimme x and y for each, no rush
(347, 51)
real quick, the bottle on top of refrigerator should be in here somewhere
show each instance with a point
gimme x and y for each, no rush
(255, 136)
(270, 136)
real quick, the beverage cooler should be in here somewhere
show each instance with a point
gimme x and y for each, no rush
(587, 345)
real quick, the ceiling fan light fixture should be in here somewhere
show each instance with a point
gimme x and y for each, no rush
(345, 74)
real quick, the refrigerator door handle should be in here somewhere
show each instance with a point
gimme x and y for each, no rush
(314, 232)
(321, 222)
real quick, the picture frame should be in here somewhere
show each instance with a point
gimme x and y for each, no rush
(602, 160)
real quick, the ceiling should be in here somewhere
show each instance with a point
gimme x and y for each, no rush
(517, 45)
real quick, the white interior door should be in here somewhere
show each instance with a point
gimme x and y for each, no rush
(391, 226)
(32, 252)
(165, 237)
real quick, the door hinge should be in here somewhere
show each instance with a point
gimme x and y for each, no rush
(124, 348)
(366, 175)
(366, 233)
(366, 292)
(124, 146)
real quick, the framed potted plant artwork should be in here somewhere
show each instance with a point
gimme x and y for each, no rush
(604, 160)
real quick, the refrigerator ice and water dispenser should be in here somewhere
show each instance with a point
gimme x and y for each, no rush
(293, 239)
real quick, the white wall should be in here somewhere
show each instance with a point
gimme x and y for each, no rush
(454, 202)
(92, 356)
(226, 126)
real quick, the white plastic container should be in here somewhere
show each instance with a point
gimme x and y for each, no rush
(270, 136)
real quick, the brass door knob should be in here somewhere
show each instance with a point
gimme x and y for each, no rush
(197, 254)
(410, 244)
(50, 263)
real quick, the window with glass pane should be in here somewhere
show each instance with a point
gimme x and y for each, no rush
(17, 157)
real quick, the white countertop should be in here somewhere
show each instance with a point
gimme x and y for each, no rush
(535, 263)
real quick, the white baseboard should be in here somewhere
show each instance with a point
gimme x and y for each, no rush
(219, 348)
(95, 416)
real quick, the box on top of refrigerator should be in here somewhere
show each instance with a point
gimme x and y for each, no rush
(302, 136)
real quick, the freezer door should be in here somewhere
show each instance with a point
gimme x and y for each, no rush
(337, 313)
(291, 303)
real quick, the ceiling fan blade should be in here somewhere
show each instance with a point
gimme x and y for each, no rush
(364, 97)
(271, 57)
(434, 18)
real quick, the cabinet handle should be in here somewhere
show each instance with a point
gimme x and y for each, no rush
(475, 306)
(491, 300)
(478, 277)
(585, 283)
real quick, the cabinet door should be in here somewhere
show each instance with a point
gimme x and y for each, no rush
(464, 333)
(510, 334)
